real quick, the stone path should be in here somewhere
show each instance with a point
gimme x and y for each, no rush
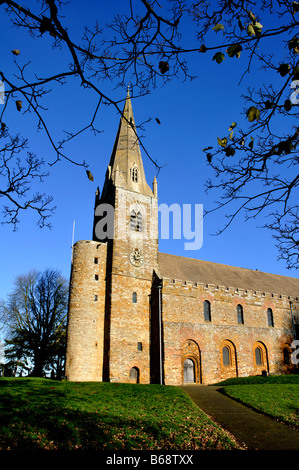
(256, 431)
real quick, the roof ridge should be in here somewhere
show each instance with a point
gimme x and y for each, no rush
(229, 266)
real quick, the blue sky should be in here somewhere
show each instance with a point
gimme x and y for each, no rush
(192, 116)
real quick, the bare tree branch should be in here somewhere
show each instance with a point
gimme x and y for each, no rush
(255, 166)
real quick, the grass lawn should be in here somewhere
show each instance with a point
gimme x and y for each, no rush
(276, 396)
(46, 414)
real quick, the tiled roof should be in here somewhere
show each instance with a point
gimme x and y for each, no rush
(206, 272)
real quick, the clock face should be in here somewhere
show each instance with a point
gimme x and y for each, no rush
(136, 257)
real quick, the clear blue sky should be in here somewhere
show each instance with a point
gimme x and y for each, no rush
(192, 115)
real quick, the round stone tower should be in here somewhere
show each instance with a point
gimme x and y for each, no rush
(86, 316)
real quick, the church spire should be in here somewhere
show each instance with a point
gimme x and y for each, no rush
(126, 166)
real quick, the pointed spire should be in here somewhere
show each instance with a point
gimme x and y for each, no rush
(128, 111)
(126, 160)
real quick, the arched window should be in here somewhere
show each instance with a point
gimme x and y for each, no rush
(228, 359)
(136, 221)
(240, 314)
(134, 297)
(258, 357)
(270, 317)
(135, 175)
(207, 310)
(226, 356)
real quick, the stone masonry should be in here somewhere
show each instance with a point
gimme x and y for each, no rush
(137, 315)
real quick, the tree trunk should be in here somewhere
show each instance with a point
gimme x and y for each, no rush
(38, 365)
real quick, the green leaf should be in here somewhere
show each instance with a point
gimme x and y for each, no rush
(19, 105)
(232, 126)
(295, 6)
(89, 175)
(254, 29)
(234, 50)
(250, 30)
(219, 57)
(251, 15)
(258, 28)
(253, 114)
(285, 146)
(218, 27)
(222, 142)
(294, 44)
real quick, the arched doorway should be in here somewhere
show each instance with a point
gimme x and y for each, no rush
(134, 375)
(190, 365)
(189, 371)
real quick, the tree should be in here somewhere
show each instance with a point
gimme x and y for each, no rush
(252, 163)
(146, 46)
(17, 173)
(35, 321)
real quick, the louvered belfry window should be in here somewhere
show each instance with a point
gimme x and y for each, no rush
(134, 175)
(136, 221)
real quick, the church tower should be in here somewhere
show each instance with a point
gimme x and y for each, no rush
(112, 275)
(136, 315)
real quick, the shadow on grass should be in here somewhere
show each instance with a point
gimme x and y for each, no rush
(39, 417)
(65, 430)
(285, 420)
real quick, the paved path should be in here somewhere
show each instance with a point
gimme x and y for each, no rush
(256, 431)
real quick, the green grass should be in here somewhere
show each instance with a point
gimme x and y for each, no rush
(275, 396)
(46, 414)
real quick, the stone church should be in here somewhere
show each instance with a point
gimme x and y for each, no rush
(138, 315)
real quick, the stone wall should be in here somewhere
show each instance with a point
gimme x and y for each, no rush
(183, 324)
(129, 320)
(85, 341)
